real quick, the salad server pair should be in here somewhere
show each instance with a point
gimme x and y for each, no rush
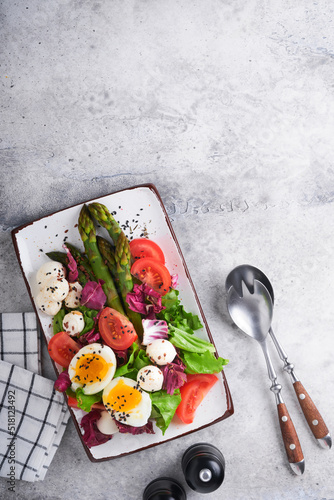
(250, 300)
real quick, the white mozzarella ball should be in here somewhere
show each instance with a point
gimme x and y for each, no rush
(161, 351)
(106, 424)
(73, 322)
(56, 289)
(73, 297)
(92, 368)
(49, 307)
(127, 402)
(150, 378)
(50, 269)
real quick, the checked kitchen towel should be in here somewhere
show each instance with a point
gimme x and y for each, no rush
(33, 416)
(19, 340)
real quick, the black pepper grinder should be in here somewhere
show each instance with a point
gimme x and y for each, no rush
(164, 488)
(203, 467)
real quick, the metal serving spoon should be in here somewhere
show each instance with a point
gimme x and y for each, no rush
(252, 313)
(247, 274)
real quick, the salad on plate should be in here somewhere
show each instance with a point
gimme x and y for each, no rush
(126, 348)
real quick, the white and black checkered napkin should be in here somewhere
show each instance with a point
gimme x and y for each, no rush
(33, 416)
(19, 340)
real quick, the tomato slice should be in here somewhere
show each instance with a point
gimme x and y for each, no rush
(152, 272)
(192, 393)
(142, 248)
(62, 348)
(116, 330)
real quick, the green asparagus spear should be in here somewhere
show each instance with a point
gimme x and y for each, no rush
(122, 257)
(100, 269)
(104, 217)
(107, 251)
(123, 263)
(120, 272)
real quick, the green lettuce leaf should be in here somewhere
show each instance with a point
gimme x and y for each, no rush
(141, 360)
(137, 359)
(57, 323)
(163, 407)
(176, 315)
(205, 362)
(89, 315)
(189, 342)
(86, 401)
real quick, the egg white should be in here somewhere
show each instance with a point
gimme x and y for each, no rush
(106, 353)
(137, 416)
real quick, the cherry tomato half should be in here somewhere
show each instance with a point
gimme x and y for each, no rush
(142, 248)
(116, 330)
(152, 272)
(193, 393)
(62, 348)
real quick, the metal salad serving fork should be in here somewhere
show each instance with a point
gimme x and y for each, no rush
(250, 299)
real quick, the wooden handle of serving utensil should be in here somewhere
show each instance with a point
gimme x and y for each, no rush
(289, 434)
(312, 415)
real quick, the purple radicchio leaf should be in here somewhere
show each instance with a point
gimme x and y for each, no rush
(174, 376)
(154, 329)
(90, 337)
(121, 357)
(137, 300)
(129, 429)
(92, 436)
(73, 272)
(63, 382)
(93, 295)
(175, 280)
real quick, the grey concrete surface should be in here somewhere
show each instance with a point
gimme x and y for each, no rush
(227, 107)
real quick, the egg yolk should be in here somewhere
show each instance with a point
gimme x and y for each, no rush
(91, 368)
(122, 397)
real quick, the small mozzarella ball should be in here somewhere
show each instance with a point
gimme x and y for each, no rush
(73, 322)
(50, 269)
(150, 378)
(161, 351)
(73, 297)
(106, 424)
(57, 289)
(49, 307)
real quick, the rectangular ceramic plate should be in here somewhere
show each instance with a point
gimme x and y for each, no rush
(140, 212)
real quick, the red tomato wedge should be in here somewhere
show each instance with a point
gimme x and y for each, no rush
(62, 348)
(116, 330)
(193, 393)
(152, 272)
(142, 248)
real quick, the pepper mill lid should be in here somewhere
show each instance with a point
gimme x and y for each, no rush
(164, 488)
(203, 467)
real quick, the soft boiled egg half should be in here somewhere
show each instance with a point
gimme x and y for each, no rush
(92, 368)
(127, 402)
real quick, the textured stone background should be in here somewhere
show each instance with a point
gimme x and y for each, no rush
(228, 108)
